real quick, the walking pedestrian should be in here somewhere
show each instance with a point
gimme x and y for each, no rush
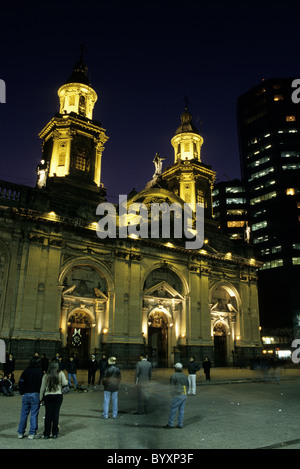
(71, 368)
(111, 381)
(179, 384)
(92, 368)
(143, 374)
(103, 364)
(51, 393)
(29, 385)
(193, 367)
(206, 367)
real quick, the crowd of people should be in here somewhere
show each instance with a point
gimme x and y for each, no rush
(44, 382)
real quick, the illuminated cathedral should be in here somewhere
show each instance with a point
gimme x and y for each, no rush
(64, 289)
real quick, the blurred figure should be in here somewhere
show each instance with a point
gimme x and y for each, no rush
(44, 363)
(179, 384)
(143, 374)
(102, 367)
(206, 367)
(6, 386)
(92, 368)
(193, 367)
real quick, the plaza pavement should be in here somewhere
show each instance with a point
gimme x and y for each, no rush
(237, 409)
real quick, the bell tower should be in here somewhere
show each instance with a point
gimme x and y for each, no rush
(188, 177)
(73, 142)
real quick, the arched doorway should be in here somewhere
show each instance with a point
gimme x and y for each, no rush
(158, 338)
(220, 345)
(163, 317)
(225, 326)
(79, 336)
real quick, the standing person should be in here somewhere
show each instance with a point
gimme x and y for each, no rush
(44, 363)
(29, 385)
(9, 367)
(92, 368)
(206, 367)
(179, 384)
(143, 374)
(102, 366)
(111, 380)
(71, 368)
(51, 393)
(193, 367)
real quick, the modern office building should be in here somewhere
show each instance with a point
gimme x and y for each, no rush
(269, 139)
(230, 209)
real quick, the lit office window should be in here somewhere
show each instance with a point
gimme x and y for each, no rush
(234, 190)
(260, 239)
(215, 192)
(290, 191)
(290, 118)
(236, 200)
(262, 198)
(276, 249)
(291, 166)
(216, 203)
(236, 212)
(259, 226)
(296, 246)
(235, 224)
(261, 173)
(296, 260)
(258, 162)
(289, 154)
(272, 264)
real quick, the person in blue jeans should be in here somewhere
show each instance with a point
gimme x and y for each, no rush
(179, 384)
(29, 385)
(111, 380)
(72, 370)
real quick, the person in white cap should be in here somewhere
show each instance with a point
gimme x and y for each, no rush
(179, 385)
(111, 380)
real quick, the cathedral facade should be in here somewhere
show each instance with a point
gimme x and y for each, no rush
(66, 288)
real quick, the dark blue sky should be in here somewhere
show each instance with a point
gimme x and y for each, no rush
(143, 58)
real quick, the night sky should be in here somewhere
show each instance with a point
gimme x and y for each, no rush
(143, 59)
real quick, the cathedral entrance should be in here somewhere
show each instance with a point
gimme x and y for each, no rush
(158, 338)
(220, 345)
(78, 337)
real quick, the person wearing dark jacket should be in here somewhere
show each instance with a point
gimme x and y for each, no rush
(71, 368)
(206, 367)
(179, 384)
(9, 367)
(102, 367)
(92, 368)
(29, 385)
(193, 367)
(111, 381)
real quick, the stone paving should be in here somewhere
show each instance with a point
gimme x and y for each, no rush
(237, 409)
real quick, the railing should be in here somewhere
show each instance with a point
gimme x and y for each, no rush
(9, 192)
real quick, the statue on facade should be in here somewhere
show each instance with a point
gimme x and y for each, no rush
(158, 165)
(42, 173)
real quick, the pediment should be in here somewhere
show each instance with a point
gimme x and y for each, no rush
(163, 290)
